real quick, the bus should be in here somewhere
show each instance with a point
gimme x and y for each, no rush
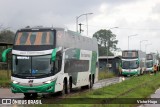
(133, 62)
(151, 62)
(49, 60)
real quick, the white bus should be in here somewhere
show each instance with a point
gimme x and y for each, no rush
(49, 60)
(151, 62)
(133, 62)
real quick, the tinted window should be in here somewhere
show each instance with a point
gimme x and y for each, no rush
(34, 38)
(73, 65)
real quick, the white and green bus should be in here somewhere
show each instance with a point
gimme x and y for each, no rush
(49, 60)
(151, 62)
(133, 62)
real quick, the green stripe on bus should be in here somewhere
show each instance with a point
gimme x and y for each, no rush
(48, 88)
(54, 54)
(93, 63)
(77, 54)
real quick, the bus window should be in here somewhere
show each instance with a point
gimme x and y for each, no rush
(34, 38)
(57, 63)
(24, 38)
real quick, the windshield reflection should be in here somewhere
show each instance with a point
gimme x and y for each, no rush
(130, 64)
(31, 66)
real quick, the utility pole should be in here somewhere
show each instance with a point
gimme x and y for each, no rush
(86, 20)
(80, 28)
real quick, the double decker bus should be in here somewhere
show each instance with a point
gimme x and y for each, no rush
(49, 60)
(151, 62)
(133, 62)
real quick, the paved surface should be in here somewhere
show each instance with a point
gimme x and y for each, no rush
(6, 93)
(106, 82)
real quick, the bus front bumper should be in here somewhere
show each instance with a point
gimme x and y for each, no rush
(149, 69)
(44, 88)
(130, 73)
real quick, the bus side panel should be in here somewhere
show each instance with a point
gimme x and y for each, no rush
(60, 80)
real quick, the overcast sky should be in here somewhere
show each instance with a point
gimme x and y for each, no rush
(140, 17)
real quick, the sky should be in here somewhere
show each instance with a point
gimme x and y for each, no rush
(132, 17)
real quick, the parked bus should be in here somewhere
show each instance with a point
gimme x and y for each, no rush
(151, 62)
(133, 62)
(49, 60)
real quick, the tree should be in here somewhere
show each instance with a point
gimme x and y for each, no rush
(106, 41)
(6, 36)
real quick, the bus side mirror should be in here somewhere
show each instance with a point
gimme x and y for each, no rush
(4, 54)
(53, 57)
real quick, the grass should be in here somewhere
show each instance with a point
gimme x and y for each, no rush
(4, 79)
(103, 74)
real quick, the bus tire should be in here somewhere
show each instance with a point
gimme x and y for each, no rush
(141, 72)
(70, 84)
(34, 95)
(63, 92)
(93, 79)
(90, 82)
(68, 90)
(27, 95)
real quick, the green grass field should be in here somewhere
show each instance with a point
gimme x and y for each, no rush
(4, 79)
(104, 73)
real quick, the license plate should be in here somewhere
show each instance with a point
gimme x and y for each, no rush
(31, 91)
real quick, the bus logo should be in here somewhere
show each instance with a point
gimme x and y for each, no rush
(30, 81)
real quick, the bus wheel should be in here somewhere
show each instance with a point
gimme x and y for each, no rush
(90, 83)
(27, 95)
(63, 90)
(68, 89)
(141, 72)
(34, 95)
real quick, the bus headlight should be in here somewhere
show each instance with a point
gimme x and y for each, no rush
(47, 82)
(15, 82)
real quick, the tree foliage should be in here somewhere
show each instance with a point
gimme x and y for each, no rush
(106, 41)
(6, 36)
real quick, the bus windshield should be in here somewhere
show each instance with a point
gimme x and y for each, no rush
(34, 38)
(149, 64)
(27, 66)
(130, 64)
